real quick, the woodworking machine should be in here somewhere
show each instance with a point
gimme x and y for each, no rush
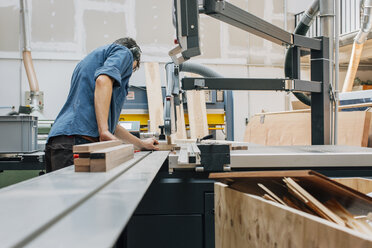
(180, 200)
(165, 198)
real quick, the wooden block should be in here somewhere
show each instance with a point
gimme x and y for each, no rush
(109, 158)
(164, 146)
(82, 161)
(154, 96)
(91, 147)
(245, 220)
(82, 168)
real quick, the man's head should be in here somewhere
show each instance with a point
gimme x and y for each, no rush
(131, 44)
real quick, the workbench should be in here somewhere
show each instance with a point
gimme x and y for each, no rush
(69, 209)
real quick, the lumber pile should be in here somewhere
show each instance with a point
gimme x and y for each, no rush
(101, 156)
(305, 191)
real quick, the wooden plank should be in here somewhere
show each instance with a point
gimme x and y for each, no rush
(262, 174)
(358, 225)
(197, 112)
(154, 96)
(271, 194)
(91, 147)
(312, 202)
(244, 220)
(164, 146)
(316, 205)
(82, 161)
(82, 168)
(181, 126)
(295, 129)
(360, 184)
(107, 159)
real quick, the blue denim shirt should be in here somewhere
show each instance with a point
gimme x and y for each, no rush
(78, 116)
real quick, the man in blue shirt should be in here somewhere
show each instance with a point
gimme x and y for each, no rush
(99, 85)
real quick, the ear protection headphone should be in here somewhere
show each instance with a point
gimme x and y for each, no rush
(136, 52)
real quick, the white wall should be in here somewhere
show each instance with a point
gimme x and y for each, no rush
(64, 31)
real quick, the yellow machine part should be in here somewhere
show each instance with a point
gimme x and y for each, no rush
(213, 120)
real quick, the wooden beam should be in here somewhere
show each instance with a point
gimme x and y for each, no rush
(154, 96)
(91, 147)
(107, 159)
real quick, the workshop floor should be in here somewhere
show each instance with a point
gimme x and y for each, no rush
(11, 177)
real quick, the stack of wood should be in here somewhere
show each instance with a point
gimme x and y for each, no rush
(309, 192)
(101, 156)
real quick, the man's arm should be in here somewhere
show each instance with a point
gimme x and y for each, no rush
(123, 134)
(102, 100)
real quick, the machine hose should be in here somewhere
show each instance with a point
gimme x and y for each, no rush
(301, 29)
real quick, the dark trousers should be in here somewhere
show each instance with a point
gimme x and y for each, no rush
(58, 151)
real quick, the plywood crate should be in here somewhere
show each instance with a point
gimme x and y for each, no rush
(245, 218)
(362, 185)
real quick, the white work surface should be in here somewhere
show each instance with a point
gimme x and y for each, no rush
(69, 209)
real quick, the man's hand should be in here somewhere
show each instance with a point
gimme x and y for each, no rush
(106, 135)
(149, 144)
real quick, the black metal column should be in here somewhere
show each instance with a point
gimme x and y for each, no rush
(320, 102)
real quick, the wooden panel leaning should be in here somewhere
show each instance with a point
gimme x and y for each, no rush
(244, 220)
(109, 158)
(282, 209)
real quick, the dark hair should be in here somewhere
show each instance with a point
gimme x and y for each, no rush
(131, 44)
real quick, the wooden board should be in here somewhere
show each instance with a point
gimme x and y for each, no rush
(360, 184)
(82, 161)
(295, 129)
(197, 112)
(181, 126)
(110, 157)
(91, 147)
(243, 220)
(164, 146)
(154, 96)
(82, 168)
